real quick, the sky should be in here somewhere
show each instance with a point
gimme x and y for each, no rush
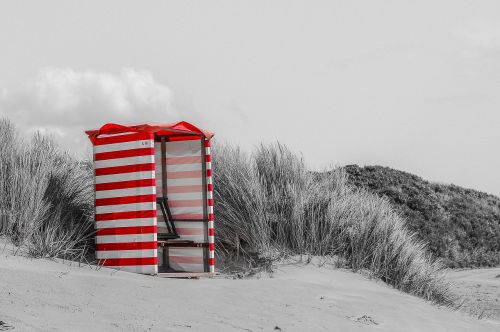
(413, 85)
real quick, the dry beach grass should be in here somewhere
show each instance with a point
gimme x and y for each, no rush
(45, 196)
(267, 207)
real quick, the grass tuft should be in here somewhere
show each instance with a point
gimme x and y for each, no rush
(268, 204)
(46, 196)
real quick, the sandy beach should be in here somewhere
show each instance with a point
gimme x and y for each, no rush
(43, 295)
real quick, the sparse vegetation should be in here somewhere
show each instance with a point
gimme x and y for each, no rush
(460, 225)
(45, 196)
(268, 204)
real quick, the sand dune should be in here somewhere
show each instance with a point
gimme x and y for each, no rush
(44, 295)
(480, 289)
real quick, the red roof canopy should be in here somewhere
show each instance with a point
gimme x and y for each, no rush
(161, 129)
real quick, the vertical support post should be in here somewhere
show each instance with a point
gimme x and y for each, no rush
(210, 208)
(163, 167)
(206, 267)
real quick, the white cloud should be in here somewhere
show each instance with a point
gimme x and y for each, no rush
(64, 102)
(482, 39)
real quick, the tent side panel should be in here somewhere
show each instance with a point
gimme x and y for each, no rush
(185, 192)
(210, 209)
(125, 202)
(184, 179)
(186, 259)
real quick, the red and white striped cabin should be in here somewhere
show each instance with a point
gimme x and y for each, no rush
(153, 198)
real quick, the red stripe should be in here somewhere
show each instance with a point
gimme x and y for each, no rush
(211, 217)
(125, 215)
(188, 216)
(209, 172)
(184, 138)
(208, 158)
(125, 184)
(128, 261)
(207, 143)
(183, 160)
(184, 189)
(126, 246)
(184, 174)
(124, 153)
(125, 200)
(185, 203)
(189, 231)
(210, 232)
(211, 247)
(210, 187)
(123, 138)
(124, 169)
(185, 260)
(211, 261)
(127, 230)
(210, 202)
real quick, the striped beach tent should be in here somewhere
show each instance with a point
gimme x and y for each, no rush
(153, 198)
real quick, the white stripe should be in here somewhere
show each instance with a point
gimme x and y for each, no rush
(125, 207)
(211, 239)
(209, 180)
(180, 196)
(126, 253)
(125, 192)
(126, 238)
(210, 224)
(185, 252)
(160, 222)
(183, 148)
(210, 195)
(208, 165)
(125, 177)
(144, 269)
(194, 238)
(159, 189)
(125, 223)
(210, 209)
(189, 224)
(180, 167)
(212, 269)
(211, 254)
(188, 154)
(207, 150)
(137, 160)
(181, 182)
(183, 210)
(148, 143)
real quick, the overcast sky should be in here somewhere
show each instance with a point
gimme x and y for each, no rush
(414, 85)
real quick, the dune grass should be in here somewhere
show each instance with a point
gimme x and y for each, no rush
(46, 196)
(267, 205)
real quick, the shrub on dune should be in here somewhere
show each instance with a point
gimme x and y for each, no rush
(268, 203)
